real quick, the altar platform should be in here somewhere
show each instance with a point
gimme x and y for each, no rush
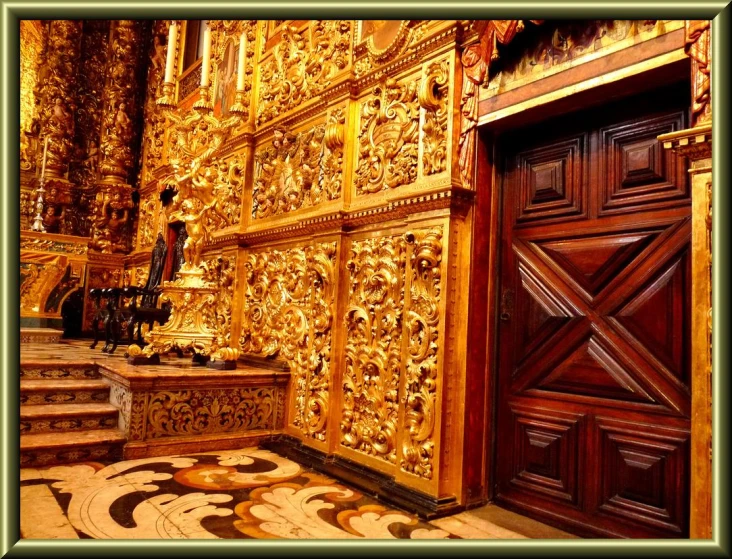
(173, 407)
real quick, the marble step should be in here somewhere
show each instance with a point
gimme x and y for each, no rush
(38, 371)
(41, 392)
(45, 449)
(56, 418)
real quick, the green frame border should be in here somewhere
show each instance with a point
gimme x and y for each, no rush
(11, 12)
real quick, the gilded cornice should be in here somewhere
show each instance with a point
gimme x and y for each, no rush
(456, 199)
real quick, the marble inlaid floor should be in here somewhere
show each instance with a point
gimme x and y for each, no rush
(249, 493)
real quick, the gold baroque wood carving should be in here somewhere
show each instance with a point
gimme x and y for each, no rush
(154, 133)
(33, 35)
(204, 412)
(374, 346)
(476, 59)
(147, 220)
(57, 81)
(299, 171)
(302, 65)
(120, 102)
(698, 45)
(220, 271)
(433, 97)
(421, 327)
(388, 138)
(289, 298)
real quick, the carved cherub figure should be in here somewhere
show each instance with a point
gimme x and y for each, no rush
(195, 229)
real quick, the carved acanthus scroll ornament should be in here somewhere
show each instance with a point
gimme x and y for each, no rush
(374, 346)
(388, 141)
(422, 322)
(303, 64)
(476, 59)
(433, 98)
(698, 45)
(289, 299)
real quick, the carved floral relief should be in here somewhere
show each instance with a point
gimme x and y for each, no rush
(374, 346)
(209, 411)
(288, 306)
(302, 65)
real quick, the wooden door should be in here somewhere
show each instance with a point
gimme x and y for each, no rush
(593, 400)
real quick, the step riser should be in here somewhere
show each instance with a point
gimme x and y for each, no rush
(69, 455)
(67, 424)
(85, 372)
(76, 396)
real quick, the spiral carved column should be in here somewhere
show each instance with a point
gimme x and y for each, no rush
(111, 227)
(58, 104)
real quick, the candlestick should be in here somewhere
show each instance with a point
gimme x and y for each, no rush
(240, 69)
(170, 60)
(45, 152)
(206, 69)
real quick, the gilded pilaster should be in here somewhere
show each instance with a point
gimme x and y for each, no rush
(696, 144)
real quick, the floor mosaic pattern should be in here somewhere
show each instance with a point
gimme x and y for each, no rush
(249, 493)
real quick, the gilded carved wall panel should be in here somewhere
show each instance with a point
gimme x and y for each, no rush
(228, 188)
(300, 170)
(288, 308)
(388, 137)
(374, 346)
(391, 376)
(302, 65)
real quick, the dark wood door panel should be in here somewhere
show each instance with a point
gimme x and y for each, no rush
(636, 173)
(593, 360)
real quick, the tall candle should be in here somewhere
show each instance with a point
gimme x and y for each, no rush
(240, 69)
(206, 70)
(45, 152)
(170, 61)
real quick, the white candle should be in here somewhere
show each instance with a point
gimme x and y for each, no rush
(45, 152)
(240, 69)
(206, 70)
(170, 61)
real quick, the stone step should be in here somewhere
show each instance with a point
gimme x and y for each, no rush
(36, 371)
(56, 418)
(45, 449)
(72, 391)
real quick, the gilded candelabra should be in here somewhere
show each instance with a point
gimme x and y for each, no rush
(192, 325)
